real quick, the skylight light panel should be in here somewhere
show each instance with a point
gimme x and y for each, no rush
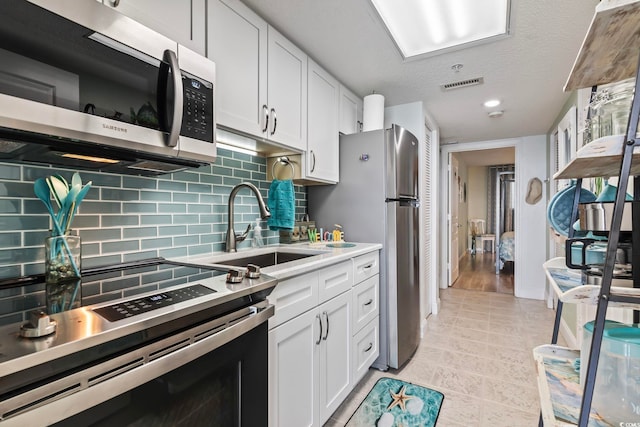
(427, 27)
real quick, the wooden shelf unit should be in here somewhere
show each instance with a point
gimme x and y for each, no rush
(610, 53)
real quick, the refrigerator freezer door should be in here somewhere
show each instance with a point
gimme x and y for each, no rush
(403, 285)
(401, 163)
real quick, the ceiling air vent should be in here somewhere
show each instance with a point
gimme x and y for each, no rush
(462, 83)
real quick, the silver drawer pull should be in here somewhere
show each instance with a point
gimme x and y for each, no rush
(320, 323)
(368, 266)
(368, 302)
(326, 334)
(265, 110)
(369, 348)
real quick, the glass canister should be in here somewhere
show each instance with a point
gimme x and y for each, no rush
(616, 396)
(585, 350)
(609, 110)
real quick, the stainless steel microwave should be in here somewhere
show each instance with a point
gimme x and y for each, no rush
(84, 86)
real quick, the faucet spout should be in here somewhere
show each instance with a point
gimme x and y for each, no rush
(232, 237)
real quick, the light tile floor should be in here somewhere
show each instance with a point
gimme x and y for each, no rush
(478, 352)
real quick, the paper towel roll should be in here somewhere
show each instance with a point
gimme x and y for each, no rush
(373, 112)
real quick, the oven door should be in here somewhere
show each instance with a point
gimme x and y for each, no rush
(214, 374)
(84, 72)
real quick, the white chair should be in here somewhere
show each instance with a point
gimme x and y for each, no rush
(477, 228)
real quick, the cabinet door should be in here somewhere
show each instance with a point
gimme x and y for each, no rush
(293, 372)
(287, 92)
(335, 354)
(237, 43)
(348, 111)
(183, 22)
(323, 135)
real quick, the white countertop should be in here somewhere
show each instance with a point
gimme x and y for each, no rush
(323, 256)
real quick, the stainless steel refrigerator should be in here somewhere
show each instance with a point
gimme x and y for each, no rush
(376, 201)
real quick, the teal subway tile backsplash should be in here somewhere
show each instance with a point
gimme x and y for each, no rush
(125, 218)
(8, 240)
(10, 172)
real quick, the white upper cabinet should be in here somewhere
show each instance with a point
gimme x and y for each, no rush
(287, 92)
(322, 134)
(261, 76)
(350, 111)
(237, 43)
(181, 21)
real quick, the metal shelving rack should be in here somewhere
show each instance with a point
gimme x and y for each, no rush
(609, 53)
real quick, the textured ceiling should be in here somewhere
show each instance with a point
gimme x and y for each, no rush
(526, 70)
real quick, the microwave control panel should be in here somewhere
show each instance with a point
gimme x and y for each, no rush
(197, 114)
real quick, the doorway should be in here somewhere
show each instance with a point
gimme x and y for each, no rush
(480, 215)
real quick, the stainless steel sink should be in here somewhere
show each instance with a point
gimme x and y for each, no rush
(267, 259)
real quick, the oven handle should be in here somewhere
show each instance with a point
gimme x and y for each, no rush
(91, 396)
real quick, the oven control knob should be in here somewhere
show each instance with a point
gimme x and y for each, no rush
(40, 324)
(234, 276)
(253, 271)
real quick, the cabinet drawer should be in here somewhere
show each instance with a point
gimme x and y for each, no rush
(293, 297)
(365, 350)
(335, 280)
(365, 266)
(365, 302)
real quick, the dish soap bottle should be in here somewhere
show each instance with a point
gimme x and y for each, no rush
(257, 241)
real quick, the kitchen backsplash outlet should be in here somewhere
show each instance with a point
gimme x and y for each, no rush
(126, 218)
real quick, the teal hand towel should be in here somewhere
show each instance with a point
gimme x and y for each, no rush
(281, 203)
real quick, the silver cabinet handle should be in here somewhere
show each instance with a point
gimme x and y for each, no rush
(313, 157)
(320, 323)
(265, 109)
(369, 348)
(326, 334)
(170, 63)
(368, 266)
(369, 302)
(275, 121)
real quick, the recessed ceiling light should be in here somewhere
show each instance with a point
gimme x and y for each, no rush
(495, 114)
(492, 103)
(421, 27)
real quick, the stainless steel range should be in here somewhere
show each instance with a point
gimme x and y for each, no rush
(193, 352)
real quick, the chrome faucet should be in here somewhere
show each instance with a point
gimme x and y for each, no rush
(232, 237)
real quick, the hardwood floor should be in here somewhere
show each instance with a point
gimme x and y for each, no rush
(477, 272)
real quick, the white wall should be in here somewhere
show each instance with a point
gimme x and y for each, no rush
(477, 194)
(530, 220)
(463, 208)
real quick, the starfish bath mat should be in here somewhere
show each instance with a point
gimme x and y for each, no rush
(395, 403)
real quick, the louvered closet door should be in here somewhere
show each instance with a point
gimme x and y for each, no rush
(428, 207)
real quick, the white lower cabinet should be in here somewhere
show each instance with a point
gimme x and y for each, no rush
(322, 339)
(365, 324)
(293, 372)
(310, 364)
(365, 349)
(335, 354)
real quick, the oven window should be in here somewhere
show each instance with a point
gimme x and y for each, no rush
(226, 387)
